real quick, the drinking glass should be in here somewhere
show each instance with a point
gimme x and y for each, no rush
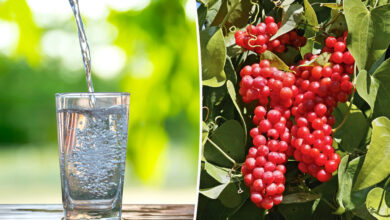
(92, 138)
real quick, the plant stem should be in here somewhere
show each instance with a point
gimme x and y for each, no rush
(222, 152)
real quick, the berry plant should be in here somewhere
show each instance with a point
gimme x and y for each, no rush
(295, 109)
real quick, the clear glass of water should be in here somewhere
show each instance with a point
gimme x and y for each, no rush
(92, 139)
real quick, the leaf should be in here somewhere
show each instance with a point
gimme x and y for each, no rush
(338, 24)
(340, 192)
(274, 60)
(351, 136)
(213, 8)
(300, 197)
(230, 197)
(289, 55)
(213, 192)
(237, 12)
(374, 89)
(311, 19)
(230, 71)
(210, 209)
(205, 132)
(248, 211)
(202, 13)
(213, 57)
(376, 166)
(332, 6)
(321, 60)
(347, 173)
(376, 205)
(292, 15)
(230, 138)
(369, 32)
(218, 173)
(296, 211)
(232, 93)
(286, 3)
(311, 29)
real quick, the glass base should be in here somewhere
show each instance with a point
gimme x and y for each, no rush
(92, 214)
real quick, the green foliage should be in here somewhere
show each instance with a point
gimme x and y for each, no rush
(369, 32)
(164, 109)
(376, 166)
(359, 189)
(213, 57)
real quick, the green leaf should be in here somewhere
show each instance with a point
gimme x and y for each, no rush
(300, 197)
(341, 174)
(332, 6)
(376, 166)
(289, 55)
(213, 57)
(248, 211)
(376, 205)
(347, 173)
(286, 3)
(235, 12)
(351, 136)
(230, 197)
(202, 13)
(292, 15)
(274, 60)
(321, 60)
(230, 71)
(311, 19)
(218, 173)
(296, 211)
(230, 138)
(232, 93)
(214, 192)
(369, 32)
(338, 24)
(374, 89)
(213, 9)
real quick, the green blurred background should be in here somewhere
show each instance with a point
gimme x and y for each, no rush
(145, 47)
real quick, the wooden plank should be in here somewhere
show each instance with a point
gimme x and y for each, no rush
(139, 212)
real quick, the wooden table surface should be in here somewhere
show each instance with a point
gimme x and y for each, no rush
(138, 212)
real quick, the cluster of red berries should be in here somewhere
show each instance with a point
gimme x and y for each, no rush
(264, 167)
(257, 38)
(293, 118)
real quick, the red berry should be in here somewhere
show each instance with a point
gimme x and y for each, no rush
(269, 19)
(272, 28)
(337, 57)
(331, 166)
(321, 160)
(320, 109)
(316, 72)
(267, 203)
(330, 42)
(248, 179)
(258, 185)
(256, 198)
(271, 189)
(286, 93)
(339, 46)
(348, 58)
(250, 163)
(323, 176)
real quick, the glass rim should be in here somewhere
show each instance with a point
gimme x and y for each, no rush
(97, 94)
